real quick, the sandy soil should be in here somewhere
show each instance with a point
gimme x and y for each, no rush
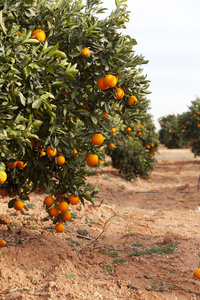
(139, 242)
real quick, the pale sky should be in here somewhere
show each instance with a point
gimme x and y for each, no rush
(168, 35)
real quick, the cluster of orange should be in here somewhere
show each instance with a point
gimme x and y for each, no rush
(110, 81)
(60, 210)
(151, 149)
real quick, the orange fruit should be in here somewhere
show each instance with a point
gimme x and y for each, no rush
(18, 205)
(48, 201)
(11, 165)
(101, 84)
(194, 115)
(19, 32)
(110, 80)
(63, 206)
(20, 164)
(75, 153)
(2, 243)
(92, 159)
(54, 212)
(59, 227)
(3, 176)
(42, 152)
(111, 146)
(149, 180)
(97, 139)
(181, 200)
(60, 160)
(132, 100)
(67, 216)
(113, 130)
(198, 125)
(86, 52)
(120, 93)
(129, 128)
(105, 114)
(39, 34)
(51, 152)
(73, 200)
(197, 273)
(4, 192)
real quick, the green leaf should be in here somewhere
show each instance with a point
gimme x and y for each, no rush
(37, 103)
(2, 23)
(22, 99)
(2, 166)
(31, 41)
(94, 120)
(37, 123)
(60, 54)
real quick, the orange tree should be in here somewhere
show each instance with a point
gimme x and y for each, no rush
(190, 124)
(133, 146)
(171, 133)
(64, 71)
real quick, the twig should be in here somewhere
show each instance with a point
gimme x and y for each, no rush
(177, 287)
(83, 236)
(198, 183)
(89, 244)
(146, 192)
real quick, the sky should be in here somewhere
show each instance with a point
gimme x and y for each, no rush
(168, 36)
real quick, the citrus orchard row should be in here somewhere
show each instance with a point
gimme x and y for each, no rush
(72, 90)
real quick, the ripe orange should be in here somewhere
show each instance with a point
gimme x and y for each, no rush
(111, 146)
(18, 205)
(132, 100)
(42, 152)
(149, 180)
(198, 125)
(105, 114)
(39, 34)
(2, 243)
(92, 159)
(120, 93)
(67, 216)
(194, 115)
(63, 206)
(48, 201)
(60, 160)
(4, 192)
(20, 164)
(3, 176)
(197, 273)
(86, 52)
(113, 130)
(51, 152)
(73, 200)
(59, 227)
(110, 80)
(74, 152)
(181, 200)
(97, 139)
(101, 84)
(54, 212)
(129, 128)
(19, 32)
(11, 165)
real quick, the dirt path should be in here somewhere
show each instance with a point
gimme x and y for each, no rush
(141, 242)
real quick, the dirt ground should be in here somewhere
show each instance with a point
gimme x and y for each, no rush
(139, 242)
